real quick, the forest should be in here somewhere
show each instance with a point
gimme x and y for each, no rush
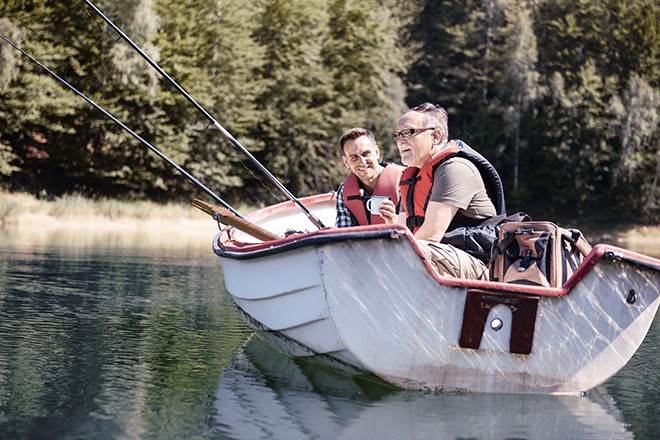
(562, 96)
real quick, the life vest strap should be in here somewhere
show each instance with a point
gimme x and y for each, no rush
(414, 221)
(410, 181)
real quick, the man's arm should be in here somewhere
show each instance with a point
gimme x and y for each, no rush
(455, 183)
(437, 219)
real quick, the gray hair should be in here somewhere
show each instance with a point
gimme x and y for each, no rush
(434, 115)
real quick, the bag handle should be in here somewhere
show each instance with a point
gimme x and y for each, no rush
(577, 241)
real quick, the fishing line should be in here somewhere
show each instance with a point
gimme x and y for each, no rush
(163, 156)
(315, 220)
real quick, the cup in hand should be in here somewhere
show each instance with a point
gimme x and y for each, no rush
(374, 202)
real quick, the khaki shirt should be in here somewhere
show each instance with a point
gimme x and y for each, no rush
(457, 182)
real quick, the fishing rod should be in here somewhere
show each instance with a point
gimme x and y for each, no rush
(125, 127)
(315, 220)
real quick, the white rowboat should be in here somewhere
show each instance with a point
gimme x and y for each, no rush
(365, 299)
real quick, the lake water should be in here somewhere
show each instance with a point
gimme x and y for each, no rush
(123, 341)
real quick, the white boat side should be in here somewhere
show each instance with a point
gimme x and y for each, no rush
(410, 326)
(284, 298)
(367, 297)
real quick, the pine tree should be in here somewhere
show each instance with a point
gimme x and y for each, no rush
(296, 125)
(518, 86)
(41, 118)
(209, 45)
(365, 58)
(8, 73)
(130, 89)
(636, 173)
(577, 140)
(456, 66)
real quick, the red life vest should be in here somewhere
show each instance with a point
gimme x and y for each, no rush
(355, 200)
(416, 185)
(474, 236)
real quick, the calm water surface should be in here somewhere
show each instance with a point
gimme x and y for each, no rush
(129, 342)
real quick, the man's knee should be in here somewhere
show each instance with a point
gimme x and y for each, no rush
(453, 262)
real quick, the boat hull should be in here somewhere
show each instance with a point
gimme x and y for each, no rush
(284, 299)
(410, 326)
(367, 299)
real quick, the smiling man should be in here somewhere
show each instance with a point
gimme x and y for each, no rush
(446, 186)
(368, 177)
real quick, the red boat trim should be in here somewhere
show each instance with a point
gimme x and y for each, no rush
(228, 248)
(242, 251)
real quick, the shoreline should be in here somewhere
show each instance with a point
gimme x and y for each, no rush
(74, 220)
(77, 221)
(174, 233)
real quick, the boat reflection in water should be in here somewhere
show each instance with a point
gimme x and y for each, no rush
(265, 394)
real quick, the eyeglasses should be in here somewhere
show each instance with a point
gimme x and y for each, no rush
(408, 132)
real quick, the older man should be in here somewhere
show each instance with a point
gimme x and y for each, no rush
(368, 177)
(445, 186)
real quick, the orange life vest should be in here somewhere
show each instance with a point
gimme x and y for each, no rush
(355, 197)
(416, 185)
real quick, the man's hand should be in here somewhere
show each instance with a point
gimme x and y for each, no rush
(388, 211)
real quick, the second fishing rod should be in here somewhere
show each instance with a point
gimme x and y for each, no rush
(315, 220)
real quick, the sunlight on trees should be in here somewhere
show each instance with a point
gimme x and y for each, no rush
(562, 96)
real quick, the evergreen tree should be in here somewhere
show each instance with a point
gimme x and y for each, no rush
(129, 89)
(577, 140)
(519, 85)
(636, 173)
(8, 72)
(209, 45)
(561, 95)
(296, 125)
(365, 58)
(565, 88)
(40, 118)
(456, 66)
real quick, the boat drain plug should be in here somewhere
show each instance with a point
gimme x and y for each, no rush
(496, 324)
(632, 297)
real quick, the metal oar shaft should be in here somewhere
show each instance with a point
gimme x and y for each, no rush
(315, 220)
(163, 156)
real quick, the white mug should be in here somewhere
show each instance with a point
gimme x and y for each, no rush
(374, 202)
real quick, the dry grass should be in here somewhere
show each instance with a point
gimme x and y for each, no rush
(76, 215)
(78, 206)
(77, 221)
(645, 239)
(12, 205)
(640, 238)
(15, 205)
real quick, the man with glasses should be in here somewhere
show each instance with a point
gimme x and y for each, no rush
(446, 186)
(367, 178)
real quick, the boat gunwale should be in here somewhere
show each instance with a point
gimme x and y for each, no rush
(226, 247)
